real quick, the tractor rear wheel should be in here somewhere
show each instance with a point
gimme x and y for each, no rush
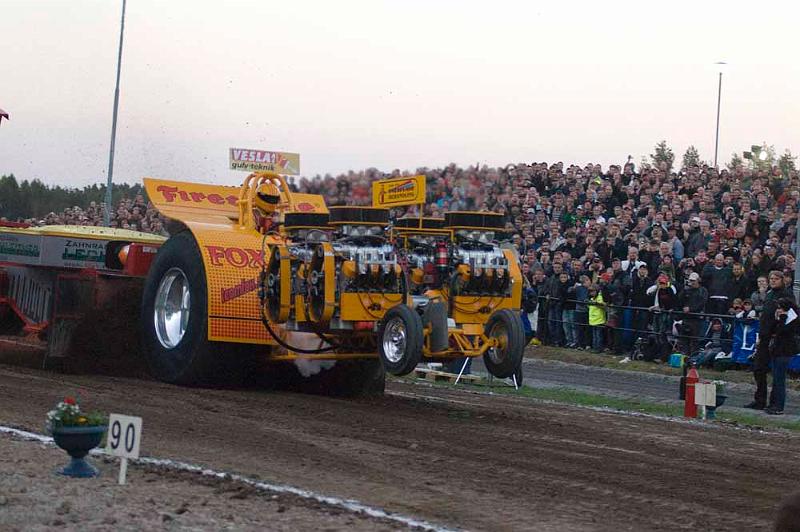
(173, 316)
(506, 327)
(400, 340)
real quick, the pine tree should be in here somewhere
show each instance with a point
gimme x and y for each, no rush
(787, 163)
(663, 154)
(691, 157)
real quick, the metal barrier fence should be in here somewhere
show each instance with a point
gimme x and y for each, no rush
(628, 323)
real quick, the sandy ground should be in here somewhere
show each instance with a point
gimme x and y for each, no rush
(32, 497)
(461, 459)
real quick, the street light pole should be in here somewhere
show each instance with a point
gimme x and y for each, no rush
(107, 214)
(719, 101)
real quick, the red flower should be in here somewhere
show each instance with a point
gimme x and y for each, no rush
(69, 400)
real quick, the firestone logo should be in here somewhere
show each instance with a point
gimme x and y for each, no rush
(233, 256)
(402, 187)
(172, 194)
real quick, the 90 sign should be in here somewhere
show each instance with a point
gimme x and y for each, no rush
(124, 435)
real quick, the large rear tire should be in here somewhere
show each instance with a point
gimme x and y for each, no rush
(173, 316)
(502, 361)
(400, 340)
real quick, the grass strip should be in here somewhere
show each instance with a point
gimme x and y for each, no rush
(568, 396)
(605, 360)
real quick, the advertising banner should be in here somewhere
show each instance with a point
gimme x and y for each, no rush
(399, 191)
(264, 161)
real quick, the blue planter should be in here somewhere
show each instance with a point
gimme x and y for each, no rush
(78, 441)
(711, 411)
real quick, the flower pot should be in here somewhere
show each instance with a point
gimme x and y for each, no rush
(78, 441)
(711, 411)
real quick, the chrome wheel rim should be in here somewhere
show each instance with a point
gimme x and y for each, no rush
(498, 354)
(171, 309)
(394, 340)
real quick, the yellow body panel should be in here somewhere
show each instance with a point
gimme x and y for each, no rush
(231, 251)
(474, 309)
(366, 307)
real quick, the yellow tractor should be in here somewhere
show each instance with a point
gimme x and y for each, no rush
(262, 273)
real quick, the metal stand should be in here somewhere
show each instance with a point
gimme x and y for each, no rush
(460, 373)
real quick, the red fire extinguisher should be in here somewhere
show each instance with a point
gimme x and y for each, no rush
(689, 408)
(441, 254)
(441, 261)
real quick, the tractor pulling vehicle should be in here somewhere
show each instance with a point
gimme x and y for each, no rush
(262, 276)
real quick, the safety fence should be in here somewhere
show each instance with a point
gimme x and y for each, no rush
(649, 332)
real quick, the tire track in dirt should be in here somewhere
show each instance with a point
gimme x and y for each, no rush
(449, 456)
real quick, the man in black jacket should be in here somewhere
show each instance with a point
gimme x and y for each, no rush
(693, 299)
(640, 299)
(766, 324)
(717, 278)
(740, 284)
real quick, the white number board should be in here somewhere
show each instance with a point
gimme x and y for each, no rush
(705, 394)
(124, 436)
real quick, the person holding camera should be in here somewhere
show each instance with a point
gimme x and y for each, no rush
(783, 346)
(774, 329)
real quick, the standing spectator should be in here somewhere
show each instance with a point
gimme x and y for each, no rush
(767, 328)
(640, 300)
(614, 299)
(581, 291)
(717, 278)
(597, 317)
(567, 304)
(632, 263)
(693, 300)
(664, 301)
(553, 294)
(759, 297)
(783, 346)
(740, 284)
(539, 284)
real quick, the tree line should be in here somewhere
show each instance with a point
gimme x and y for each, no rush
(34, 199)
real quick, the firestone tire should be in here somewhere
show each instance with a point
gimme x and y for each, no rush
(173, 316)
(503, 361)
(400, 340)
(435, 315)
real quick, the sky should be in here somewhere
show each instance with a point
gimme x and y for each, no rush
(387, 84)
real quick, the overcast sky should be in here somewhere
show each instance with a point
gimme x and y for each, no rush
(389, 84)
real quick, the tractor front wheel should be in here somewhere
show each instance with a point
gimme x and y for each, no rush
(400, 340)
(505, 327)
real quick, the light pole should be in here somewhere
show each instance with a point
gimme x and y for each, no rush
(720, 65)
(107, 214)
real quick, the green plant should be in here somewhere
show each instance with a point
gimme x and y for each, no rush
(663, 154)
(68, 413)
(691, 157)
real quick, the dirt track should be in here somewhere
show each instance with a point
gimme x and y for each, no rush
(451, 457)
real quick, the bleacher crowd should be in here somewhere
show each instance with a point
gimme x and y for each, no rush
(135, 214)
(615, 254)
(607, 253)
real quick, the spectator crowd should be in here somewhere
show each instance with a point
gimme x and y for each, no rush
(611, 254)
(607, 254)
(134, 214)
